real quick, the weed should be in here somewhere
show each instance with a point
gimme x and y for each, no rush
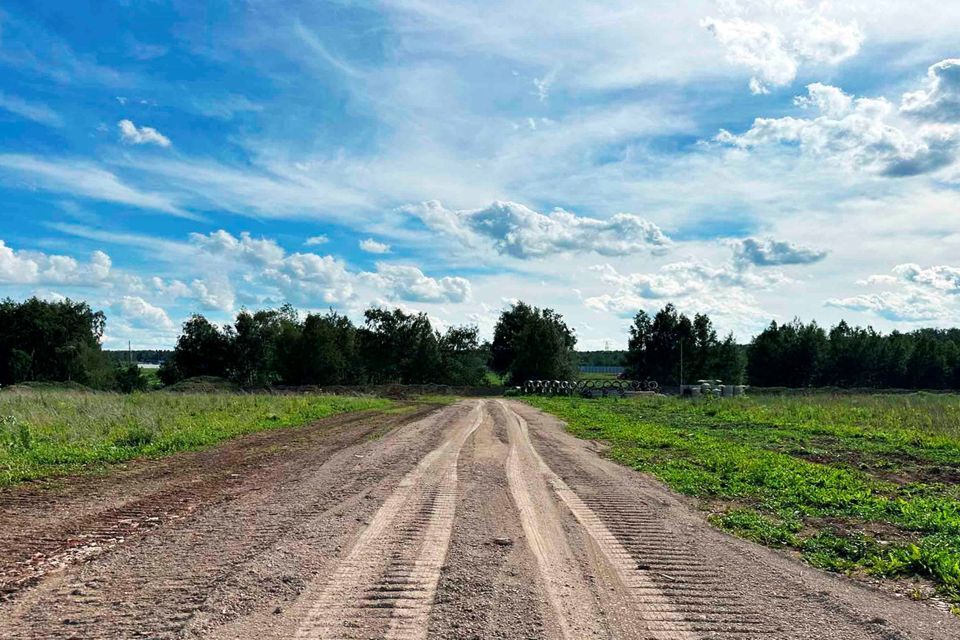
(54, 432)
(821, 474)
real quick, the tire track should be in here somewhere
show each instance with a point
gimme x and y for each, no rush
(156, 587)
(675, 596)
(385, 586)
(570, 598)
(30, 551)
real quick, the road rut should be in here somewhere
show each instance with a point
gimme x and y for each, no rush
(483, 519)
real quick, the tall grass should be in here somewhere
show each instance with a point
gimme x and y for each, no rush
(47, 433)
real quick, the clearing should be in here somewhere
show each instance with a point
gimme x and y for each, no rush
(478, 519)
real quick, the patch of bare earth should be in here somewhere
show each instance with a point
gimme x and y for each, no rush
(483, 519)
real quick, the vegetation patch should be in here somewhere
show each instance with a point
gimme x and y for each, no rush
(858, 484)
(51, 433)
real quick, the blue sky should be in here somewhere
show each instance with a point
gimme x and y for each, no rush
(753, 159)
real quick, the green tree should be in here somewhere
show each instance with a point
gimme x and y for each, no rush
(462, 357)
(203, 349)
(52, 341)
(399, 347)
(130, 378)
(532, 344)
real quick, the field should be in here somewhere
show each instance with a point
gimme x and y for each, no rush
(859, 484)
(53, 432)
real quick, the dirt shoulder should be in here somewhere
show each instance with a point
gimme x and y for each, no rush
(481, 519)
(680, 552)
(46, 525)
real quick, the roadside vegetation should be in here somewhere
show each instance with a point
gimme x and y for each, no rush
(857, 484)
(48, 432)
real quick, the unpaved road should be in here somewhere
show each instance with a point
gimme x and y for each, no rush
(478, 520)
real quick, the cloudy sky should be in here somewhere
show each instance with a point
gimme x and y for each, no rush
(753, 159)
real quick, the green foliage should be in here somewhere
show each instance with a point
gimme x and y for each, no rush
(130, 378)
(655, 345)
(751, 525)
(275, 346)
(855, 483)
(533, 344)
(49, 433)
(803, 355)
(52, 341)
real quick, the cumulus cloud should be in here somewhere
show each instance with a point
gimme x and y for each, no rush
(774, 43)
(761, 47)
(372, 246)
(132, 134)
(695, 287)
(769, 252)
(409, 283)
(29, 267)
(171, 289)
(520, 232)
(315, 241)
(898, 306)
(247, 248)
(858, 132)
(939, 101)
(912, 293)
(140, 313)
(216, 294)
(309, 278)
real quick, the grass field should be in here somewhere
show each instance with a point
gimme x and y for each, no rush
(858, 484)
(49, 432)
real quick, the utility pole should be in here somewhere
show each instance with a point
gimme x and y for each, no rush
(681, 365)
(129, 352)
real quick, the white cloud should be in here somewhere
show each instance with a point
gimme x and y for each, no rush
(943, 277)
(28, 267)
(315, 241)
(264, 266)
(409, 283)
(30, 110)
(860, 133)
(821, 39)
(139, 312)
(912, 294)
(131, 134)
(521, 232)
(769, 252)
(256, 251)
(940, 100)
(172, 289)
(761, 47)
(83, 179)
(216, 294)
(773, 39)
(725, 293)
(372, 246)
(898, 306)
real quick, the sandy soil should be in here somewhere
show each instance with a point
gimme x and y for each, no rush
(479, 520)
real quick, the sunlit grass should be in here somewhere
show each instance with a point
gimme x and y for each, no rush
(46, 433)
(855, 483)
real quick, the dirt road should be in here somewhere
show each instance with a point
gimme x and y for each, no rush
(478, 520)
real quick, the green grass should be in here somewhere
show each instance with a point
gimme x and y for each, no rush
(596, 376)
(47, 433)
(854, 483)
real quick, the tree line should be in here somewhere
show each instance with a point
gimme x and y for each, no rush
(60, 341)
(672, 348)
(795, 354)
(270, 347)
